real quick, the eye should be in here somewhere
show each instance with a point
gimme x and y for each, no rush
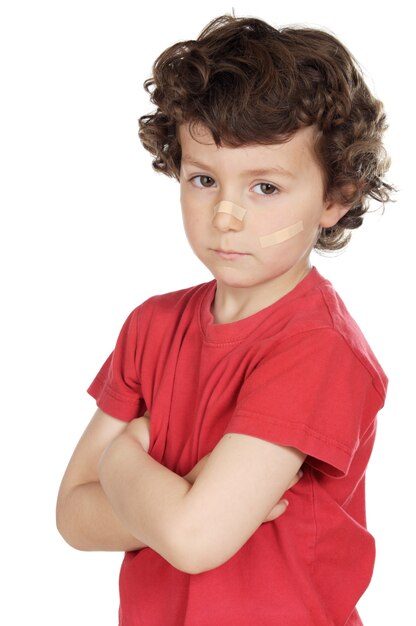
(202, 177)
(266, 186)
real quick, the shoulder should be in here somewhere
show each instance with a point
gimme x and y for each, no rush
(168, 304)
(174, 301)
(172, 305)
(346, 331)
(167, 308)
(316, 329)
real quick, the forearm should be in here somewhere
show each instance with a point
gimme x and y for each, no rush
(87, 521)
(147, 497)
(151, 500)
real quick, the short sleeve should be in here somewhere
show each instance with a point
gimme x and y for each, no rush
(309, 391)
(116, 387)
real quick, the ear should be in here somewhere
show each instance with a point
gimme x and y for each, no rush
(334, 209)
(332, 213)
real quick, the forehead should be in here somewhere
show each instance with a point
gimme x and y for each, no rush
(293, 155)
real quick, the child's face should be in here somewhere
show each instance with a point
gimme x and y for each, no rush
(272, 201)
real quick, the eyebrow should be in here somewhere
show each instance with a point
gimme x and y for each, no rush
(256, 172)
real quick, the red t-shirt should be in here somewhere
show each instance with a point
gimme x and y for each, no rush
(297, 373)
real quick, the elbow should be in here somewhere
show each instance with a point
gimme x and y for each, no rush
(71, 541)
(71, 537)
(62, 527)
(193, 563)
(65, 530)
(187, 564)
(193, 555)
(61, 521)
(194, 567)
(66, 527)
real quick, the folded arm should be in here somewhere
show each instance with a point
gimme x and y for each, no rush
(84, 515)
(197, 528)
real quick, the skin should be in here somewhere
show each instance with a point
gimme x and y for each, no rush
(252, 282)
(140, 430)
(84, 514)
(116, 496)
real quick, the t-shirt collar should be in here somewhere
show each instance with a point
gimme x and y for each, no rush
(236, 331)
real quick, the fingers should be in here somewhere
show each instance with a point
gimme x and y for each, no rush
(282, 505)
(277, 510)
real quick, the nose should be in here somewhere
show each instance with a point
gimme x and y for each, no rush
(228, 215)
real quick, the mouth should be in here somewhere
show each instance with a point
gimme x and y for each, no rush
(230, 254)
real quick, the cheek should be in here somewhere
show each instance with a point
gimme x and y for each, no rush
(280, 236)
(191, 222)
(272, 228)
(288, 242)
(295, 220)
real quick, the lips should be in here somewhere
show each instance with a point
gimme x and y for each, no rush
(230, 255)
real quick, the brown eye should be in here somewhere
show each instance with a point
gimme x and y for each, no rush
(266, 187)
(203, 178)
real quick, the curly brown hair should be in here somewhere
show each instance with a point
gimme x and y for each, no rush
(250, 83)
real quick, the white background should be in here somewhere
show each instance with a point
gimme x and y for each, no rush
(89, 231)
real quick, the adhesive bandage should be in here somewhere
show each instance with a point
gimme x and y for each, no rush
(281, 235)
(233, 209)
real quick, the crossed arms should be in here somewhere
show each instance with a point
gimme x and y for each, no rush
(114, 496)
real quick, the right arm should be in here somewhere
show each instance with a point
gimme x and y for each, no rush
(84, 516)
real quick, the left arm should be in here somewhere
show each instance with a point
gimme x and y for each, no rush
(201, 526)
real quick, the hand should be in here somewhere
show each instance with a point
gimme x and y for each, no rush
(281, 506)
(278, 509)
(139, 429)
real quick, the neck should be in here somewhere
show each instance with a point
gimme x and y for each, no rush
(232, 303)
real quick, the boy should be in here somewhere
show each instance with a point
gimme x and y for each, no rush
(216, 395)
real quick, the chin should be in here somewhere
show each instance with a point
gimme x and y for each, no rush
(232, 278)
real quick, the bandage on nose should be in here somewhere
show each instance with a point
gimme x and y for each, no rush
(279, 236)
(232, 209)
